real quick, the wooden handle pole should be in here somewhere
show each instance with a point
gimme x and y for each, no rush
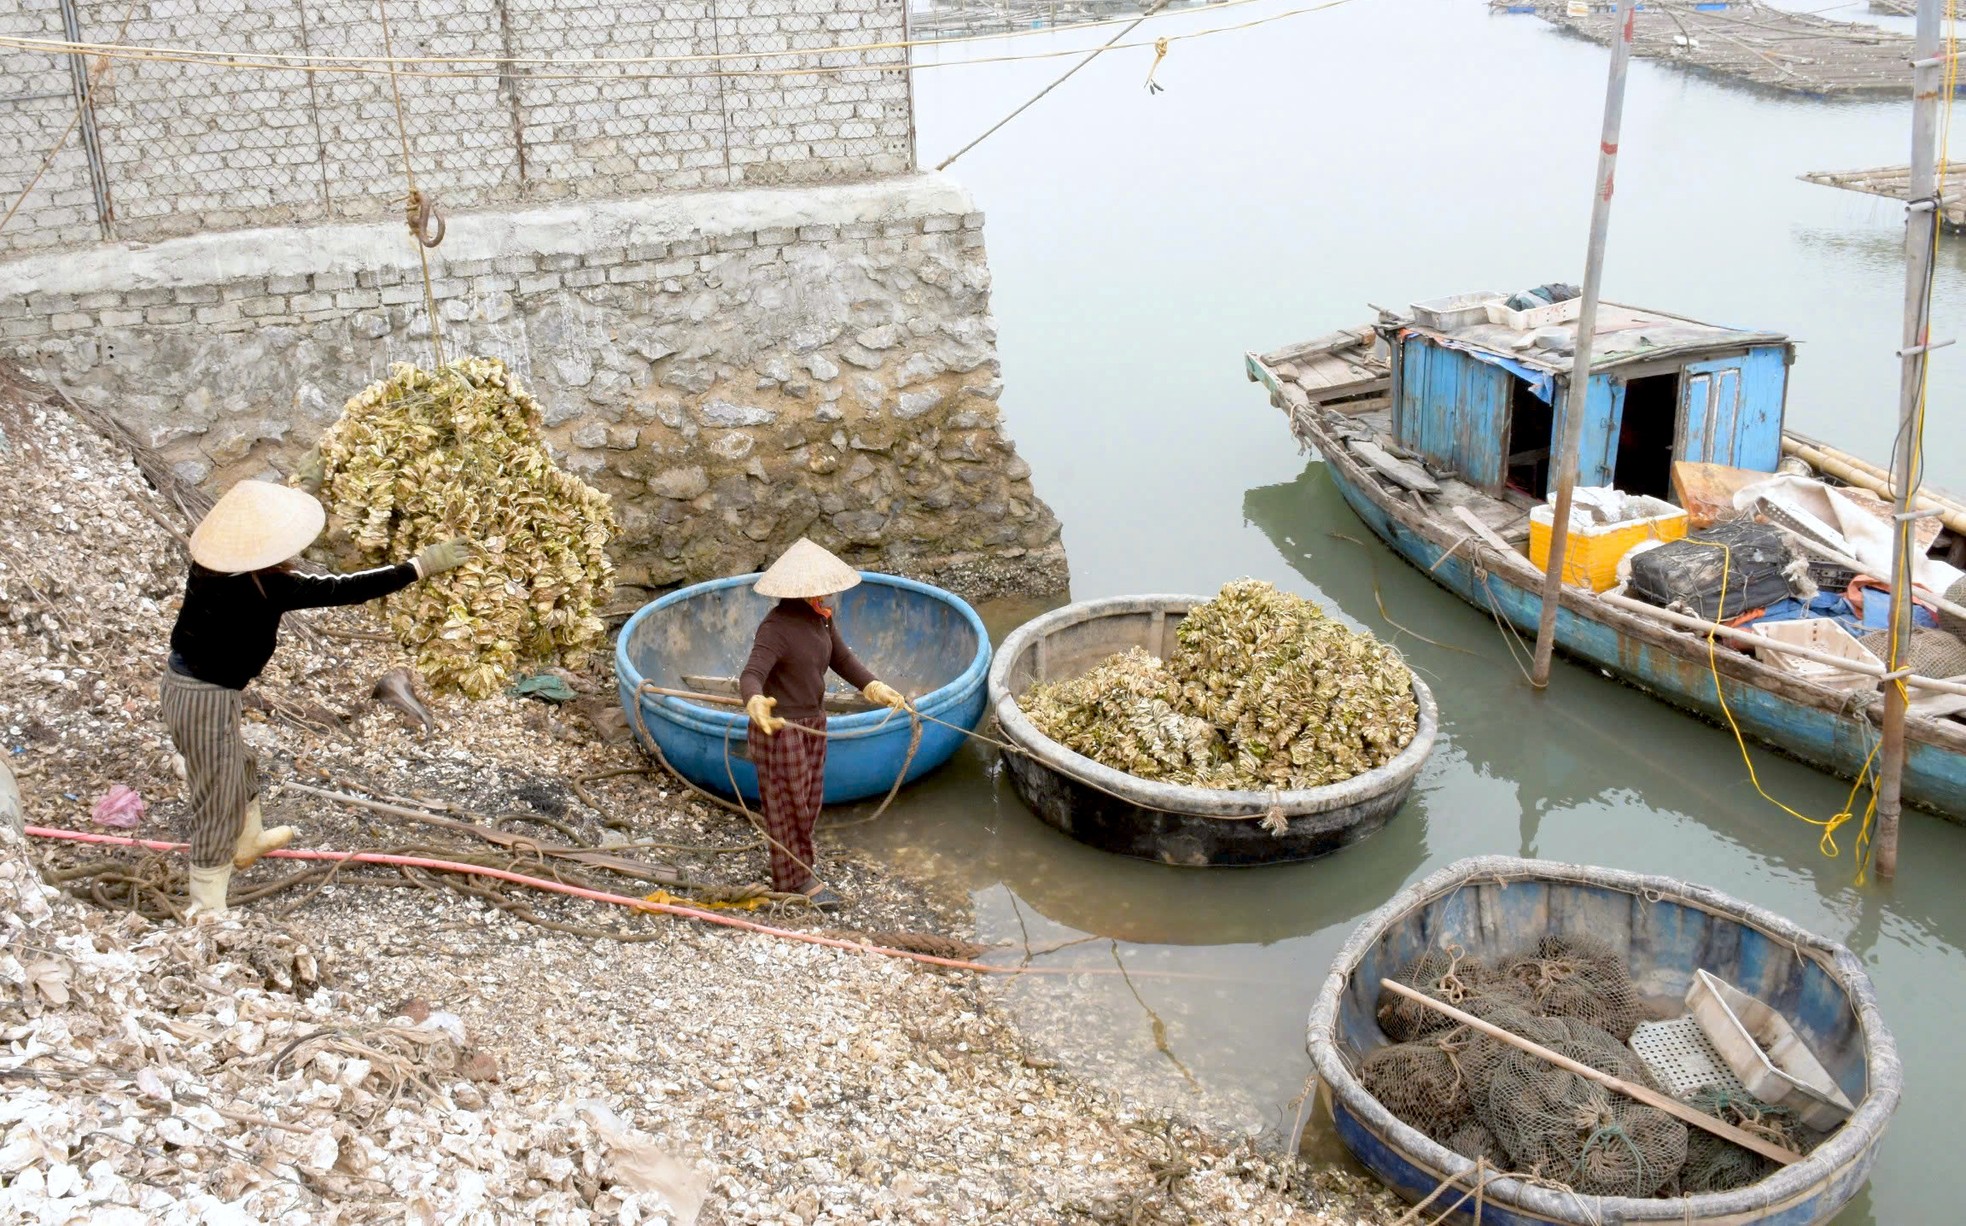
(725, 700)
(1651, 1098)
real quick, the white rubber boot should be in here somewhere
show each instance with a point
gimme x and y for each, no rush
(255, 842)
(208, 886)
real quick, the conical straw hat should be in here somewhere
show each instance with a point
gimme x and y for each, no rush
(806, 570)
(256, 525)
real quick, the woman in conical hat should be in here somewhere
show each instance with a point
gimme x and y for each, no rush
(242, 579)
(784, 681)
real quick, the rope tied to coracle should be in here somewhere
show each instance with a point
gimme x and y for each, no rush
(649, 743)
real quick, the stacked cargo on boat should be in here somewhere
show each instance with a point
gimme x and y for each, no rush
(1718, 560)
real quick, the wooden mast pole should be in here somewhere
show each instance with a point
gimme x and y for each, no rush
(1577, 391)
(1922, 217)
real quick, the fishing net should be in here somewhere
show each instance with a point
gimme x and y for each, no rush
(1422, 1083)
(1472, 1140)
(1446, 977)
(1262, 692)
(1580, 978)
(1558, 1125)
(1717, 1165)
(1484, 1098)
(423, 457)
(1933, 653)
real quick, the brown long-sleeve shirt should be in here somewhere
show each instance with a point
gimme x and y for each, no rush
(789, 657)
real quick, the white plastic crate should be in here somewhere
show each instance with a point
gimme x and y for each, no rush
(1681, 1058)
(1455, 311)
(1818, 634)
(1499, 312)
(1772, 1061)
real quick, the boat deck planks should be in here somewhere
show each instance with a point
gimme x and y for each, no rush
(1894, 182)
(1795, 52)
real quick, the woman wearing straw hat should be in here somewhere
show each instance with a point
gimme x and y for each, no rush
(242, 579)
(783, 682)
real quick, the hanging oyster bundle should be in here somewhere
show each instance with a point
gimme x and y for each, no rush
(1262, 692)
(426, 456)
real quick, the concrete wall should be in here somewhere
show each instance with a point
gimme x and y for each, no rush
(191, 148)
(737, 368)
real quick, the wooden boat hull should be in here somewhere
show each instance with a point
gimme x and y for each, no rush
(1191, 827)
(1671, 666)
(1667, 929)
(1820, 726)
(920, 639)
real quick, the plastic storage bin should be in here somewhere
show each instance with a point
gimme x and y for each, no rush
(1818, 634)
(1499, 312)
(1456, 311)
(1764, 1051)
(1591, 558)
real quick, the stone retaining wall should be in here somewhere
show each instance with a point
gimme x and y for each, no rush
(736, 368)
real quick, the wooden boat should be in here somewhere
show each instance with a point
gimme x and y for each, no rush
(1438, 437)
(1189, 826)
(920, 639)
(1667, 930)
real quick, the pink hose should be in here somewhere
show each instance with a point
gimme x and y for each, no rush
(537, 883)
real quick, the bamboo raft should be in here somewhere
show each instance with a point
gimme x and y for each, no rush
(1749, 41)
(1895, 182)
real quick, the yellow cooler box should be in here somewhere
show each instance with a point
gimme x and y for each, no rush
(1591, 558)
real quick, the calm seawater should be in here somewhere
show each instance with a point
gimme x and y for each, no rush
(1385, 151)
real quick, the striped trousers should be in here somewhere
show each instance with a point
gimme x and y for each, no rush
(791, 779)
(220, 777)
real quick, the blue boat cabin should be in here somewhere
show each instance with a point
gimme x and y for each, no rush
(1478, 390)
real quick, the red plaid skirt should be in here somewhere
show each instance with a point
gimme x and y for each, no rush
(791, 779)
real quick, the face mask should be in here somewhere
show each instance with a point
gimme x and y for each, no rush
(820, 606)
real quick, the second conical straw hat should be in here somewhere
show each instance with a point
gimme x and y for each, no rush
(806, 570)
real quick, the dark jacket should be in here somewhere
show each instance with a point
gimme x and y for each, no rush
(226, 631)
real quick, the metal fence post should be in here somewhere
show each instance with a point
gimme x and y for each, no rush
(508, 81)
(314, 112)
(908, 72)
(85, 113)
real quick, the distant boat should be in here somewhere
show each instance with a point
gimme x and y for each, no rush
(1436, 426)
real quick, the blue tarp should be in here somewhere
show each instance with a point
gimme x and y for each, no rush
(1541, 382)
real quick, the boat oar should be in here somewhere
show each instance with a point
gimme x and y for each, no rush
(1651, 1098)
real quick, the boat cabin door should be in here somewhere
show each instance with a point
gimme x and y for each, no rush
(1730, 411)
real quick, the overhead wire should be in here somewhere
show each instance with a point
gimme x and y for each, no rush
(498, 68)
(293, 59)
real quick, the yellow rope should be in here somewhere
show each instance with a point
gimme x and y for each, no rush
(1830, 825)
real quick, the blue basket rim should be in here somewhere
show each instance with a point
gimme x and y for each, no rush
(939, 702)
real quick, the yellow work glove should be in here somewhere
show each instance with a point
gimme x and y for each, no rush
(310, 472)
(880, 693)
(448, 555)
(759, 709)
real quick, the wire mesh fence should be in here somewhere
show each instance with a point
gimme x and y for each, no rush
(501, 101)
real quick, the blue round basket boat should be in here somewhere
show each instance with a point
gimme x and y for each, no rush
(925, 642)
